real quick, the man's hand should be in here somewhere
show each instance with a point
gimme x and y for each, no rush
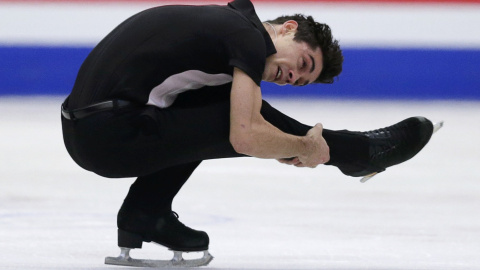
(317, 152)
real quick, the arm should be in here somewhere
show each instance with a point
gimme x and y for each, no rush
(251, 135)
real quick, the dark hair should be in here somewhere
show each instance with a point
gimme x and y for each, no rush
(318, 35)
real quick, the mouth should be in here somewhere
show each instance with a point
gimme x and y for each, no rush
(279, 74)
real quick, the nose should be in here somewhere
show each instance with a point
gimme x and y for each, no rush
(292, 77)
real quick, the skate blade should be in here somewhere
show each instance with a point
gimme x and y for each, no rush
(177, 261)
(436, 127)
(367, 177)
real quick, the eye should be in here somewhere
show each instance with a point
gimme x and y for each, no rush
(304, 63)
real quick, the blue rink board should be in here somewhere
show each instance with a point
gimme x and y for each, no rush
(368, 73)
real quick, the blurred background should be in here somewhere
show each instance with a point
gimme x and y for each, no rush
(399, 49)
(402, 58)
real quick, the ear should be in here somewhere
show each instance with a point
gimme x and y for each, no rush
(290, 26)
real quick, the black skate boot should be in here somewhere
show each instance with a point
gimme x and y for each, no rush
(391, 146)
(136, 227)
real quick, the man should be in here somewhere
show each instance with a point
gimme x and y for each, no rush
(175, 85)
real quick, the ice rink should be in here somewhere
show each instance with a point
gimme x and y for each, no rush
(423, 214)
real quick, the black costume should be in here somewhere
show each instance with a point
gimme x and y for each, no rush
(152, 100)
(149, 60)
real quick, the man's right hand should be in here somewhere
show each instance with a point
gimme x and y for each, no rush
(317, 150)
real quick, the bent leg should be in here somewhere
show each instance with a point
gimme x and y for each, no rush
(146, 213)
(154, 193)
(142, 141)
(346, 148)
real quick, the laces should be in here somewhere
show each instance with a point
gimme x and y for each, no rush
(384, 141)
(391, 145)
(178, 221)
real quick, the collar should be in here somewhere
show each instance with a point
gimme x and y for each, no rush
(246, 8)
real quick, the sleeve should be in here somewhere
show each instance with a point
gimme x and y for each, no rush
(247, 52)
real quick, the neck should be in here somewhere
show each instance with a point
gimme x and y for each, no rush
(274, 31)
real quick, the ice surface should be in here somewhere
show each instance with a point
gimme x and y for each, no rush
(423, 214)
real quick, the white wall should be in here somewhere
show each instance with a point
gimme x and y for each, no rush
(355, 25)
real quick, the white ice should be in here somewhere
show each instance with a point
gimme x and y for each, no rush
(423, 214)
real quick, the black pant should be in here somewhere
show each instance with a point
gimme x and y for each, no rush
(162, 147)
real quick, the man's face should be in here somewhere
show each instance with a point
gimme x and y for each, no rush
(295, 62)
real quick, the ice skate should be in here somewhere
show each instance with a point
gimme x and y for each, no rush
(393, 145)
(135, 228)
(436, 127)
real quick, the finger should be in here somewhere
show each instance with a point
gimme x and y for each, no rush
(285, 160)
(326, 156)
(291, 161)
(295, 161)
